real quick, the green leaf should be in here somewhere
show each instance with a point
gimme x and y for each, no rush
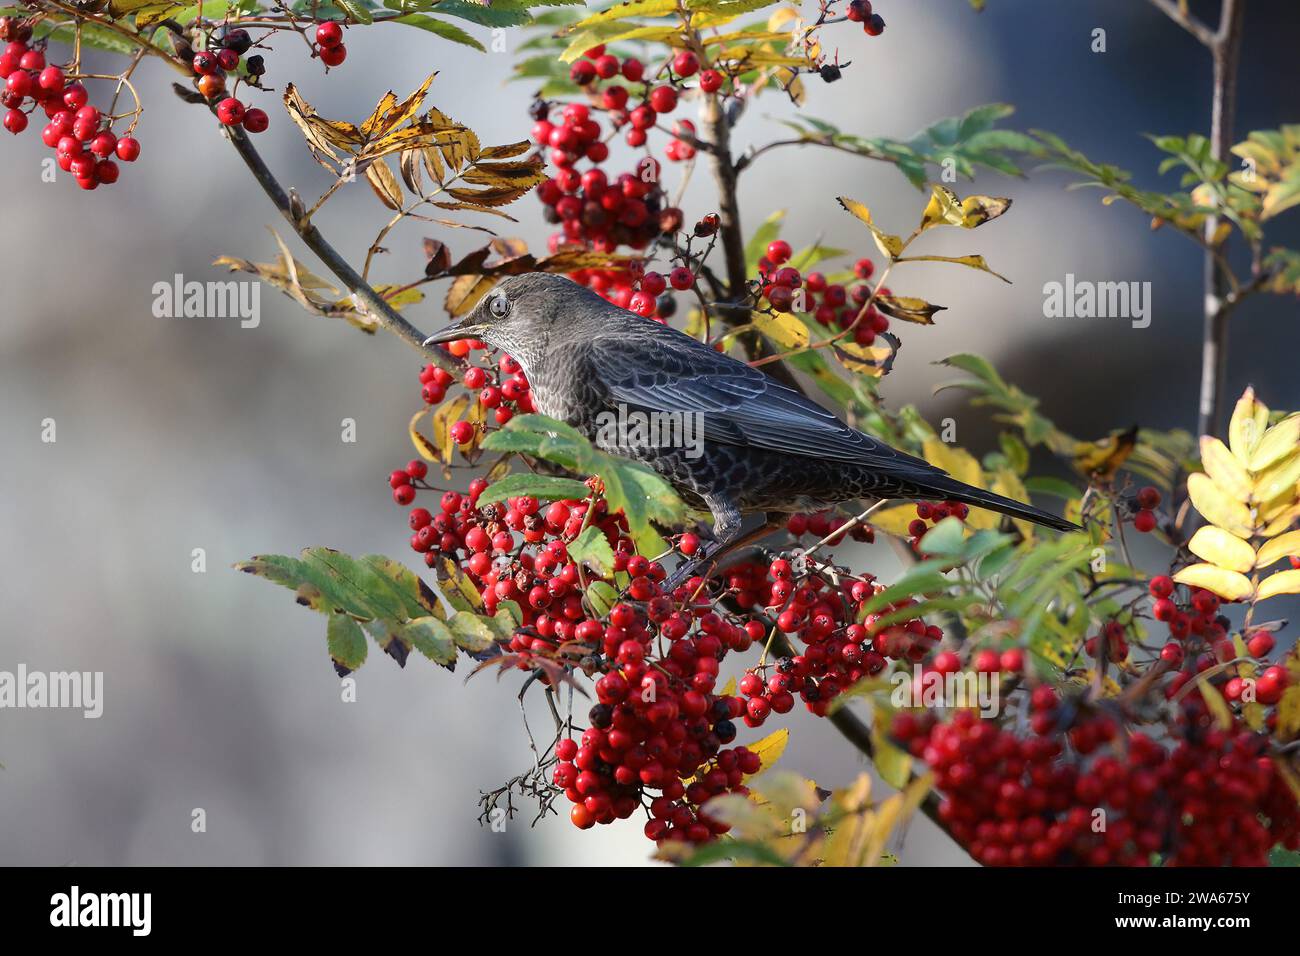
(432, 638)
(592, 548)
(448, 31)
(601, 597)
(346, 642)
(545, 487)
(473, 633)
(945, 538)
(355, 9)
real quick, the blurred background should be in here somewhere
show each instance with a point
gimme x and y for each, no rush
(176, 434)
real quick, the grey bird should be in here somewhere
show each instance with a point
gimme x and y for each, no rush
(764, 447)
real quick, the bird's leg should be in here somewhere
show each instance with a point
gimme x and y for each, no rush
(727, 536)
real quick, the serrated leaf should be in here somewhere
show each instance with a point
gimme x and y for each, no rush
(592, 548)
(891, 246)
(448, 31)
(972, 261)
(472, 633)
(783, 329)
(1220, 548)
(770, 749)
(1229, 585)
(432, 638)
(543, 487)
(346, 642)
(908, 308)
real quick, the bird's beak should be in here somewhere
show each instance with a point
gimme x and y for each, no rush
(452, 333)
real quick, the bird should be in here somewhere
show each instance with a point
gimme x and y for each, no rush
(742, 442)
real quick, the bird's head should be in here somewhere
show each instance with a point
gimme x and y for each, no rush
(519, 313)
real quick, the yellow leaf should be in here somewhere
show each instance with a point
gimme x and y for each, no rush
(895, 520)
(1221, 465)
(426, 448)
(446, 415)
(1217, 506)
(1279, 520)
(1278, 442)
(783, 329)
(1217, 705)
(975, 262)
(980, 209)
(1282, 547)
(781, 17)
(1288, 713)
(380, 176)
(1222, 549)
(1229, 585)
(955, 460)
(1278, 481)
(1284, 582)
(770, 748)
(908, 308)
(729, 688)
(1249, 419)
(944, 207)
(891, 246)
(1008, 484)
(1102, 459)
(892, 813)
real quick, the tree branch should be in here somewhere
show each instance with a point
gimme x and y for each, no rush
(373, 302)
(1225, 48)
(1176, 12)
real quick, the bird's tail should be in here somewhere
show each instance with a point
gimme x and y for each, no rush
(950, 489)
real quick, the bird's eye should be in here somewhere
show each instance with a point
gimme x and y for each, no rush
(499, 306)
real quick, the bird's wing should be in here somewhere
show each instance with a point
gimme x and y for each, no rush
(650, 366)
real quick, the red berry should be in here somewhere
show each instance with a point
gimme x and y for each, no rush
(75, 96)
(416, 468)
(462, 432)
(1161, 586)
(256, 120)
(779, 251)
(15, 121)
(51, 79)
(633, 69)
(230, 111)
(875, 25)
(128, 149)
(204, 63)
(1144, 521)
(329, 34)
(334, 55)
(685, 63)
(663, 99)
(859, 11)
(710, 81)
(403, 495)
(398, 478)
(681, 278)
(228, 60)
(1148, 497)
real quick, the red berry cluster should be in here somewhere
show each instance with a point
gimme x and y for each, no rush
(1078, 791)
(590, 208)
(81, 135)
(1147, 500)
(831, 304)
(329, 43)
(930, 513)
(859, 11)
(212, 65)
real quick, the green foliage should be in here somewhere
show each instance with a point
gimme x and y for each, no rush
(387, 600)
(643, 496)
(963, 142)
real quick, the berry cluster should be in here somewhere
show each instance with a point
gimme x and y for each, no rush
(329, 43)
(222, 57)
(1147, 500)
(830, 303)
(79, 132)
(1078, 791)
(859, 11)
